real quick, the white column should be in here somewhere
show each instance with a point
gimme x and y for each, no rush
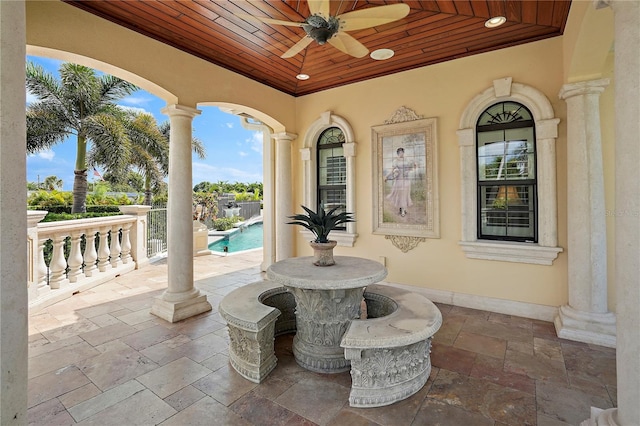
(268, 192)
(181, 299)
(627, 108)
(627, 215)
(586, 318)
(13, 221)
(284, 195)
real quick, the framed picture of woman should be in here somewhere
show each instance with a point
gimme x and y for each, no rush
(405, 179)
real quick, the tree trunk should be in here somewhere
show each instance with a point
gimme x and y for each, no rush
(148, 195)
(79, 191)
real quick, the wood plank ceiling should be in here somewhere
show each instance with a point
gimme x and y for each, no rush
(433, 32)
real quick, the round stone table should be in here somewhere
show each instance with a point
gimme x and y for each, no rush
(327, 299)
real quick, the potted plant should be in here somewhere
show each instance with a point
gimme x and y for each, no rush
(321, 223)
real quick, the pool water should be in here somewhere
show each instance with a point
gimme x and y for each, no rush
(243, 239)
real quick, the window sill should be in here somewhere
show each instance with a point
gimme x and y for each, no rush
(510, 252)
(343, 238)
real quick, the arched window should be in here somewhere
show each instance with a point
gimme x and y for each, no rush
(331, 170)
(512, 218)
(506, 167)
(328, 159)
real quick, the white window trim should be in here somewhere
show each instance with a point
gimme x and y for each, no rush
(308, 155)
(546, 250)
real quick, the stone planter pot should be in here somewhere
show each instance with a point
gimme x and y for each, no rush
(323, 253)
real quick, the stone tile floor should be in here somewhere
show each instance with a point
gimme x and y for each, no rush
(100, 358)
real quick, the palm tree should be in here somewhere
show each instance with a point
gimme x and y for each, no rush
(80, 104)
(149, 151)
(153, 176)
(52, 183)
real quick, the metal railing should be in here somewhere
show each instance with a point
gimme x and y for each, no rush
(156, 230)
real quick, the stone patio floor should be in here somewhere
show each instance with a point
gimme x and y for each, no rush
(100, 358)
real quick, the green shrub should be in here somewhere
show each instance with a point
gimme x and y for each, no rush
(54, 217)
(103, 209)
(223, 224)
(46, 199)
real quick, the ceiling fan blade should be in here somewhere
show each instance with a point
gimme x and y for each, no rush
(268, 20)
(373, 16)
(349, 45)
(320, 7)
(296, 48)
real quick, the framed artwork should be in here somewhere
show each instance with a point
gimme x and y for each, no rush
(405, 176)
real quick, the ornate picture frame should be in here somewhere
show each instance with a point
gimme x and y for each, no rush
(405, 176)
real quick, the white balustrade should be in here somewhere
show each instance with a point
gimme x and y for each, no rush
(90, 254)
(76, 264)
(103, 250)
(114, 249)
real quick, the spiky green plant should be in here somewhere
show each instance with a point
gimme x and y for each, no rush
(322, 222)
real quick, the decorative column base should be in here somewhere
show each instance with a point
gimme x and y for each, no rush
(174, 311)
(601, 417)
(322, 317)
(586, 327)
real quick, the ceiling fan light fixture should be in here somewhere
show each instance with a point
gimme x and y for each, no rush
(302, 76)
(494, 22)
(382, 54)
(320, 29)
(320, 35)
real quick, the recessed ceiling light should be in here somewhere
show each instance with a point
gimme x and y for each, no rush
(496, 21)
(382, 54)
(302, 77)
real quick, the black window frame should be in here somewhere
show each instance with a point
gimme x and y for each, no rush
(324, 142)
(505, 121)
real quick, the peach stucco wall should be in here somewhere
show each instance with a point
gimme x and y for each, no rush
(442, 91)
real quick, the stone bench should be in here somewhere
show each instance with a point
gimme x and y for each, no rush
(255, 314)
(390, 350)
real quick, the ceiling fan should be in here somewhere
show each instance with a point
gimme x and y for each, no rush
(323, 28)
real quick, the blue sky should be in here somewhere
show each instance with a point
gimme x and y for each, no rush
(234, 154)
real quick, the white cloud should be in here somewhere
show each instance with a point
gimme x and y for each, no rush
(31, 97)
(135, 100)
(134, 109)
(47, 155)
(256, 142)
(242, 154)
(229, 125)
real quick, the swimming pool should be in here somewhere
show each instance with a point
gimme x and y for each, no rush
(242, 239)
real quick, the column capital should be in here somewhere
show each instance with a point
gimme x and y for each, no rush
(588, 87)
(284, 136)
(180, 110)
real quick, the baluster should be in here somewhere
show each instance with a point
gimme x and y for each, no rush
(90, 254)
(42, 265)
(115, 247)
(58, 263)
(103, 250)
(75, 257)
(126, 243)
